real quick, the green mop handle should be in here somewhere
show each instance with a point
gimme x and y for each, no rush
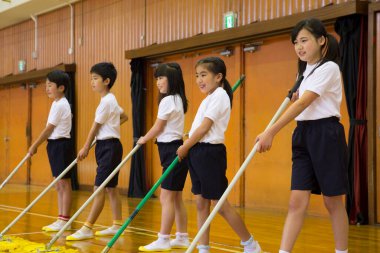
(237, 84)
(150, 193)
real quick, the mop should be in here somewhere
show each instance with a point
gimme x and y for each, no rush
(15, 170)
(150, 193)
(242, 168)
(101, 187)
(15, 244)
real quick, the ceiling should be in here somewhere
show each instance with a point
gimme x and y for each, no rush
(16, 11)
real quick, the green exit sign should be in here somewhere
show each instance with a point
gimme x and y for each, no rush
(229, 20)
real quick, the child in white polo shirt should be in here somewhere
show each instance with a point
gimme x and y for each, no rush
(168, 129)
(59, 147)
(319, 149)
(207, 156)
(108, 151)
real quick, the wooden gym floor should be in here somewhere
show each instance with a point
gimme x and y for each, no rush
(266, 227)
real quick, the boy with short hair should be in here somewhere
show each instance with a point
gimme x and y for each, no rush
(59, 148)
(108, 151)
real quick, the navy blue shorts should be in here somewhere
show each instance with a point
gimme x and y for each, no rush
(320, 162)
(108, 155)
(175, 181)
(208, 165)
(60, 156)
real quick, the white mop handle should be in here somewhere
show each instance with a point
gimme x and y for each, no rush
(41, 195)
(15, 170)
(234, 180)
(38, 198)
(101, 187)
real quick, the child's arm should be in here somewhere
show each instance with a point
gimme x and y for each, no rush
(123, 118)
(195, 137)
(91, 136)
(156, 129)
(43, 137)
(265, 139)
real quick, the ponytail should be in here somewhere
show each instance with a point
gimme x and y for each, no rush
(228, 89)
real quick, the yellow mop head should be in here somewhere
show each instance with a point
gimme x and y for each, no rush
(13, 244)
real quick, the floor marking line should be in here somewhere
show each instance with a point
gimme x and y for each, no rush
(19, 210)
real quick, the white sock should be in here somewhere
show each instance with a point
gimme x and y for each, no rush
(249, 245)
(181, 235)
(341, 251)
(203, 248)
(115, 227)
(162, 237)
(283, 251)
(86, 230)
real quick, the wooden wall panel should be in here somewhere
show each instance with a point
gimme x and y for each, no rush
(4, 127)
(23, 45)
(53, 42)
(17, 144)
(169, 20)
(7, 48)
(54, 38)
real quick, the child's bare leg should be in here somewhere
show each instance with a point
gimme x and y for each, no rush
(298, 203)
(339, 220)
(180, 213)
(115, 202)
(203, 211)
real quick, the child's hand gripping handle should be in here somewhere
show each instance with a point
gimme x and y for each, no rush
(295, 87)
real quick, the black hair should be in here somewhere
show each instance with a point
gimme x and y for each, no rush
(330, 50)
(105, 70)
(172, 71)
(60, 78)
(216, 66)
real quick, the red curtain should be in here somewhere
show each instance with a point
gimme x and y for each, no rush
(359, 209)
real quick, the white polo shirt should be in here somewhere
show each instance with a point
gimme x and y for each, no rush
(108, 115)
(326, 82)
(60, 116)
(216, 106)
(171, 110)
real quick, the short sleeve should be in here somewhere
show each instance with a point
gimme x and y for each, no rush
(216, 107)
(55, 114)
(102, 112)
(165, 108)
(323, 77)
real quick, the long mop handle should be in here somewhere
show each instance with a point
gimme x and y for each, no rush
(15, 170)
(150, 193)
(41, 195)
(237, 84)
(101, 187)
(241, 170)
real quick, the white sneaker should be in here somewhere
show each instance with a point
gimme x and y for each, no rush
(181, 241)
(81, 234)
(111, 231)
(161, 244)
(56, 226)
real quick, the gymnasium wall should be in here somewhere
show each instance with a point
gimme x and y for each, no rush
(104, 30)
